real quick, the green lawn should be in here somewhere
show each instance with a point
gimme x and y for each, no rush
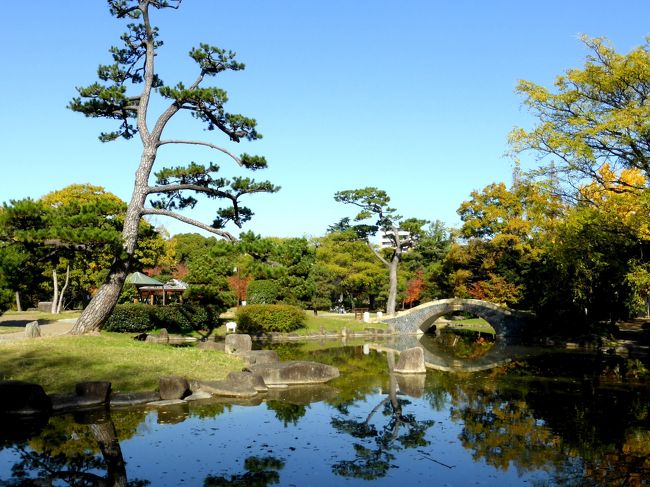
(331, 322)
(324, 321)
(473, 324)
(58, 363)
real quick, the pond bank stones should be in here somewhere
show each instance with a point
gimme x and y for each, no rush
(294, 372)
(23, 398)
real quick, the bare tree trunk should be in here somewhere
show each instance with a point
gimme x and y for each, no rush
(392, 285)
(55, 297)
(59, 305)
(18, 307)
(106, 436)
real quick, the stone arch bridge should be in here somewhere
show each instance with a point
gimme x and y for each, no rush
(506, 322)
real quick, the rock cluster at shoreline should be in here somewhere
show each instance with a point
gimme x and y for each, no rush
(263, 371)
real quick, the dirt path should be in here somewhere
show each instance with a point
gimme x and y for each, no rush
(48, 328)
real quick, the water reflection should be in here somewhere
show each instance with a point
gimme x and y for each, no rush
(66, 453)
(396, 430)
(556, 419)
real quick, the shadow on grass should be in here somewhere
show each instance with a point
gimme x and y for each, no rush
(58, 373)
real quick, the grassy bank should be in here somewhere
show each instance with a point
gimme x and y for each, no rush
(58, 363)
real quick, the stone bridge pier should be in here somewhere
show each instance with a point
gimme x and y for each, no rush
(506, 322)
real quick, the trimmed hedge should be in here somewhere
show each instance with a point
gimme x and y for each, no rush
(132, 318)
(183, 318)
(256, 318)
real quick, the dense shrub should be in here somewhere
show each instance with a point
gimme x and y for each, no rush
(263, 291)
(7, 297)
(176, 318)
(185, 318)
(256, 318)
(130, 318)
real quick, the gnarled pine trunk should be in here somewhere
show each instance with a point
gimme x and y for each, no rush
(101, 306)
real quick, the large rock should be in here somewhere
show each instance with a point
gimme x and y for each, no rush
(259, 357)
(411, 361)
(17, 397)
(91, 393)
(294, 372)
(237, 343)
(94, 392)
(174, 387)
(32, 330)
(248, 378)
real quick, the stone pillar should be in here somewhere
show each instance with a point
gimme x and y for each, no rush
(32, 330)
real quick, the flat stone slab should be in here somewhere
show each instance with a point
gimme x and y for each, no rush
(198, 395)
(294, 372)
(133, 398)
(227, 388)
(168, 402)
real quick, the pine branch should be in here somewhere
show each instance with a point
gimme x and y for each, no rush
(206, 144)
(189, 221)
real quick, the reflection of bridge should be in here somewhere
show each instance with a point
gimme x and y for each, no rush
(506, 322)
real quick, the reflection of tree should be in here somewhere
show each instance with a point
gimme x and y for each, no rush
(372, 461)
(260, 472)
(586, 434)
(504, 432)
(52, 463)
(287, 412)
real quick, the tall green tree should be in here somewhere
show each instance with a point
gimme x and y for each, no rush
(427, 260)
(346, 271)
(134, 67)
(501, 239)
(375, 216)
(75, 232)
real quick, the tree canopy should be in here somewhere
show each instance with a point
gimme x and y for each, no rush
(596, 115)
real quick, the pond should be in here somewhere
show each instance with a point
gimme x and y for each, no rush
(553, 419)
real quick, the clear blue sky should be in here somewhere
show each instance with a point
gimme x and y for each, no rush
(414, 97)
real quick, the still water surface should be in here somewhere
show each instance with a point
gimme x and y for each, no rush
(557, 419)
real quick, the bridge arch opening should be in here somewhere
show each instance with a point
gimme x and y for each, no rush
(457, 319)
(461, 334)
